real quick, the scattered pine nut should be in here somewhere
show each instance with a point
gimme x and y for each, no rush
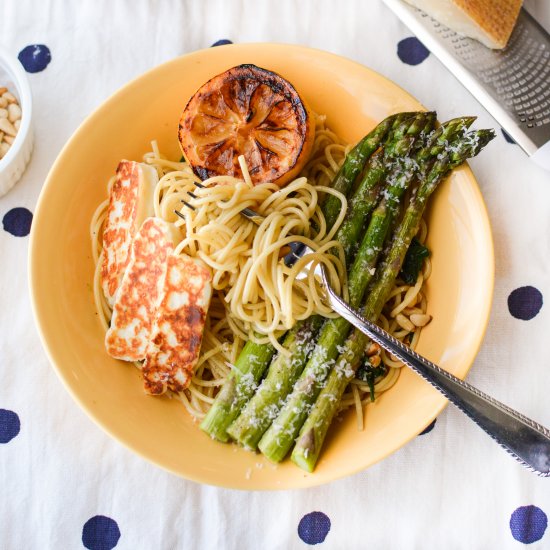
(404, 323)
(420, 319)
(375, 360)
(373, 349)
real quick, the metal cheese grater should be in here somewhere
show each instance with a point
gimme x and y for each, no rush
(513, 84)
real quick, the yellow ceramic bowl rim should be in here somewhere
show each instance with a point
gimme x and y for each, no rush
(34, 276)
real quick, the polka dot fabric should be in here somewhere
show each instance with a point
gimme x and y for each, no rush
(314, 527)
(411, 51)
(10, 425)
(66, 484)
(222, 42)
(524, 303)
(528, 524)
(100, 533)
(35, 58)
(17, 221)
(428, 428)
(507, 137)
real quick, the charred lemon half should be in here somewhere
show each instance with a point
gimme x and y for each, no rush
(247, 111)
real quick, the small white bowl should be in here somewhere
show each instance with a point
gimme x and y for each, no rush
(12, 166)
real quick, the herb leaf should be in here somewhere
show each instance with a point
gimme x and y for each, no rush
(369, 374)
(413, 262)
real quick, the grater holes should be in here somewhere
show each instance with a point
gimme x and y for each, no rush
(517, 78)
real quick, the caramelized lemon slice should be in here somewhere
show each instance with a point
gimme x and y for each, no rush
(252, 112)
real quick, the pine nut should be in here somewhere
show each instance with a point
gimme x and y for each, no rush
(14, 112)
(420, 319)
(7, 127)
(404, 323)
(10, 120)
(375, 360)
(10, 97)
(373, 349)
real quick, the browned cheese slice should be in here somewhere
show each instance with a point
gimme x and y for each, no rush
(179, 325)
(140, 291)
(130, 202)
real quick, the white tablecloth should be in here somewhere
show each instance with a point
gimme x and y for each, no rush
(66, 484)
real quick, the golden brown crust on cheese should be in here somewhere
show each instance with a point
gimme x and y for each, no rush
(179, 326)
(120, 226)
(495, 17)
(138, 296)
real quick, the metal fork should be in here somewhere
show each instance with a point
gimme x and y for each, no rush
(526, 440)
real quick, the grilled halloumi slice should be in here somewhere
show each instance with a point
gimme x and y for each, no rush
(140, 291)
(130, 202)
(179, 325)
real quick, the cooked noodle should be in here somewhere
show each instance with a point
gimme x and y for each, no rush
(255, 295)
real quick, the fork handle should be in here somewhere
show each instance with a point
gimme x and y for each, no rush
(526, 440)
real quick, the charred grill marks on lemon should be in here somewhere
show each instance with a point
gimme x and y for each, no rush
(247, 111)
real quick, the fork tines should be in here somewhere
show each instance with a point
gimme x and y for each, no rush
(189, 205)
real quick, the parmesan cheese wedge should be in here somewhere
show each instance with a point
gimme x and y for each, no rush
(139, 294)
(179, 325)
(130, 202)
(489, 21)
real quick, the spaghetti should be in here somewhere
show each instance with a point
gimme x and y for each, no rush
(255, 295)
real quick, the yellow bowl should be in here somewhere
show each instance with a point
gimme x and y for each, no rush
(354, 98)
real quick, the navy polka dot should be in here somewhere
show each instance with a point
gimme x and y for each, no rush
(411, 51)
(314, 527)
(507, 136)
(18, 221)
(222, 42)
(35, 58)
(528, 524)
(428, 428)
(100, 533)
(525, 302)
(10, 425)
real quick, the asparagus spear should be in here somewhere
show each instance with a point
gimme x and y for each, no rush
(312, 435)
(355, 162)
(366, 195)
(237, 389)
(280, 436)
(254, 359)
(264, 406)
